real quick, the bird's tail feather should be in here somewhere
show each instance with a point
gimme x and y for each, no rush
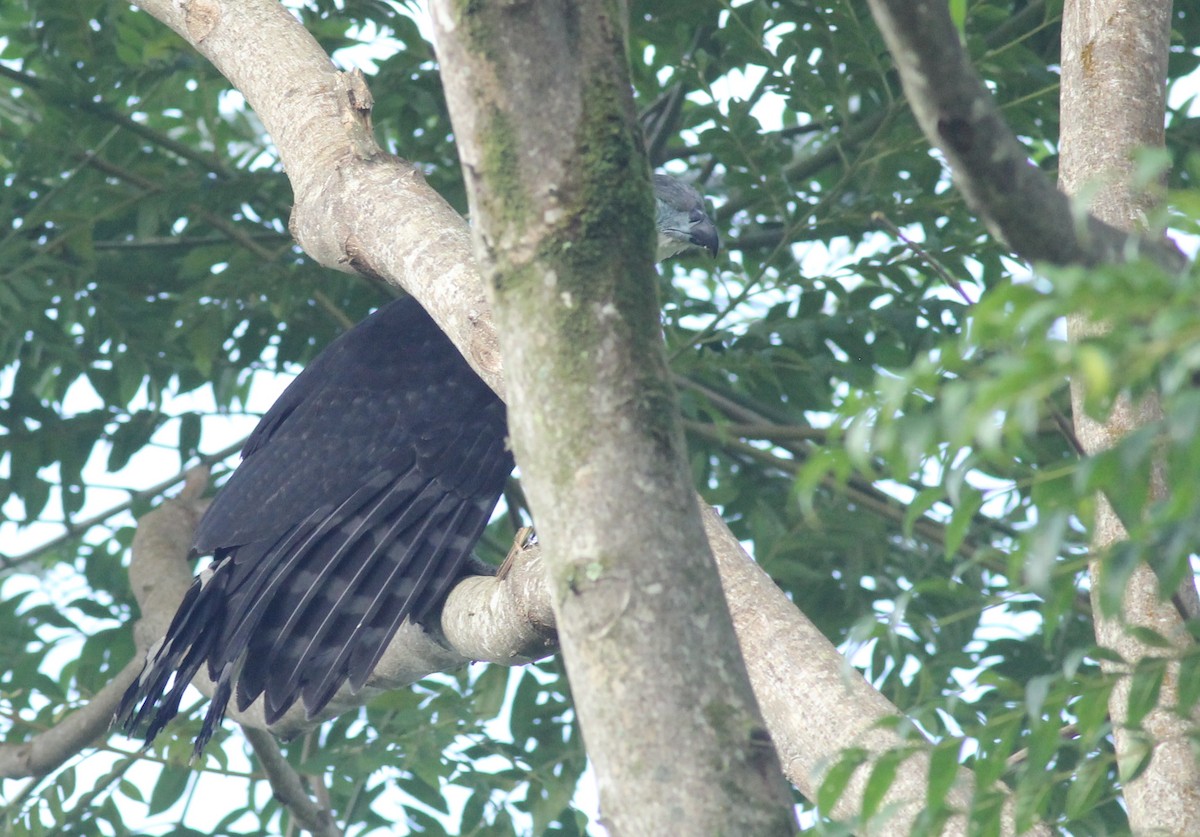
(294, 617)
(300, 642)
(372, 556)
(153, 699)
(393, 598)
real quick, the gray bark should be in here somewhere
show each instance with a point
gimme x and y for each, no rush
(1114, 67)
(562, 214)
(991, 167)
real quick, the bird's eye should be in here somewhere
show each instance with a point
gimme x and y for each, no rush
(696, 216)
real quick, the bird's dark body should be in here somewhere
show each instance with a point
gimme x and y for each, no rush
(359, 498)
(358, 501)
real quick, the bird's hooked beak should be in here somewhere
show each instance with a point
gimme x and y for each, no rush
(703, 233)
(680, 218)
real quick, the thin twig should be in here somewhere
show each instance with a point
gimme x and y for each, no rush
(288, 787)
(75, 528)
(882, 220)
(47, 750)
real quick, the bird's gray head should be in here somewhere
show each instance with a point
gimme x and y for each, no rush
(680, 218)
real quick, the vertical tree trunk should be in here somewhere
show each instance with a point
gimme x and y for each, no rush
(1114, 64)
(539, 94)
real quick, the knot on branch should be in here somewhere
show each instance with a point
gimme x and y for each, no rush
(957, 133)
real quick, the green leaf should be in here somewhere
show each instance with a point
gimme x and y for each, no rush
(883, 774)
(131, 436)
(1086, 788)
(962, 519)
(1036, 692)
(423, 791)
(924, 500)
(1145, 684)
(1116, 568)
(958, 13)
(943, 771)
(189, 436)
(838, 776)
(1091, 710)
(1134, 756)
(173, 780)
(1189, 682)
(524, 718)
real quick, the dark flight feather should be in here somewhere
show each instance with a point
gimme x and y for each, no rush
(359, 498)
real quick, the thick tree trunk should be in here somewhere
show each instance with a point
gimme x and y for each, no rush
(1114, 67)
(560, 198)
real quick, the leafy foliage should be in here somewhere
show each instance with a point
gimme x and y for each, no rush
(882, 423)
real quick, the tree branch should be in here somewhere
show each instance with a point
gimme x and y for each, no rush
(958, 115)
(288, 788)
(562, 219)
(349, 193)
(49, 750)
(1114, 65)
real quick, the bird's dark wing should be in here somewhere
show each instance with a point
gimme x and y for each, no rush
(359, 498)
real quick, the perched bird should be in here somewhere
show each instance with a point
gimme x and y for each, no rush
(680, 219)
(360, 496)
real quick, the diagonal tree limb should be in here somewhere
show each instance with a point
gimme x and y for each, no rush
(288, 788)
(49, 750)
(956, 112)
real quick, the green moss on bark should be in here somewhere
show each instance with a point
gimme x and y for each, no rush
(508, 203)
(600, 254)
